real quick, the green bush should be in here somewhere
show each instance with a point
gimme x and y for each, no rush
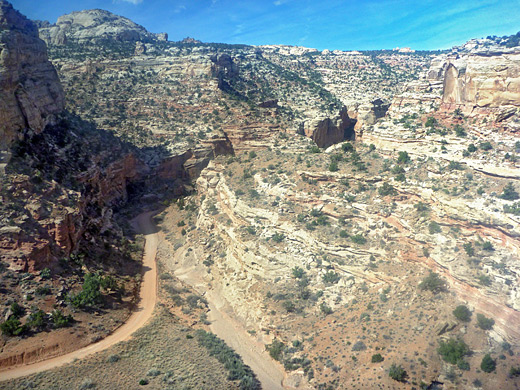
(488, 246)
(60, 320)
(333, 166)
(12, 327)
(347, 147)
(325, 309)
(298, 272)
(386, 189)
(472, 148)
(90, 295)
(485, 323)
(358, 239)
(289, 306)
(488, 364)
(468, 248)
(462, 313)
(37, 319)
(276, 349)
(403, 158)
(509, 192)
(433, 282)
(486, 146)
(434, 227)
(331, 277)
(397, 373)
(514, 372)
(377, 358)
(512, 209)
(233, 363)
(453, 350)
(278, 237)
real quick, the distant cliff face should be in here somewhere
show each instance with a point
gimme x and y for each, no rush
(94, 25)
(479, 75)
(30, 91)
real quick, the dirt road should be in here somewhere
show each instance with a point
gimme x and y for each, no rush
(253, 353)
(143, 312)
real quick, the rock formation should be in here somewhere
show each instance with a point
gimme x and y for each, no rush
(326, 131)
(30, 91)
(93, 26)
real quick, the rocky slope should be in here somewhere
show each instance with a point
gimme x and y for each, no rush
(30, 91)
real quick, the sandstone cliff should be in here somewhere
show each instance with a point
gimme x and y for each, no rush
(95, 25)
(30, 91)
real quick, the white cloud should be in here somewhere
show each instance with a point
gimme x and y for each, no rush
(133, 1)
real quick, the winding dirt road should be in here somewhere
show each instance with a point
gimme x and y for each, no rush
(143, 312)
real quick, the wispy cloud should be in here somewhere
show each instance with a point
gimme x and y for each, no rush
(179, 9)
(133, 1)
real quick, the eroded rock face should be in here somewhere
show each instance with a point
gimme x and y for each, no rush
(327, 131)
(30, 91)
(483, 79)
(95, 25)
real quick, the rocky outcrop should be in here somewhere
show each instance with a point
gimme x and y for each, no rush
(91, 26)
(368, 113)
(478, 77)
(325, 131)
(30, 91)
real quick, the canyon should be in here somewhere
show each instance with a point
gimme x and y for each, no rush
(335, 207)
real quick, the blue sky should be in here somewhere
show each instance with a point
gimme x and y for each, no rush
(321, 24)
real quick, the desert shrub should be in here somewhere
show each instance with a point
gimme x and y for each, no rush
(488, 364)
(434, 227)
(488, 246)
(37, 319)
(87, 384)
(484, 323)
(153, 372)
(453, 350)
(358, 239)
(325, 309)
(298, 272)
(289, 306)
(347, 147)
(403, 158)
(359, 346)
(45, 273)
(12, 327)
(514, 372)
(397, 373)
(143, 382)
(459, 131)
(509, 192)
(113, 358)
(343, 234)
(333, 166)
(43, 290)
(421, 207)
(59, 320)
(512, 209)
(377, 358)
(472, 148)
(331, 277)
(278, 237)
(90, 294)
(237, 370)
(386, 189)
(486, 146)
(276, 349)
(462, 313)
(468, 248)
(433, 282)
(484, 280)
